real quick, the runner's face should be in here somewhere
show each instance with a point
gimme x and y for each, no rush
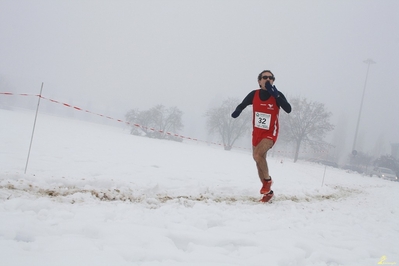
(263, 81)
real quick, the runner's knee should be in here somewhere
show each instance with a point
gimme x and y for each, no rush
(258, 157)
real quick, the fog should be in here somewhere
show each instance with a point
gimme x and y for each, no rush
(119, 55)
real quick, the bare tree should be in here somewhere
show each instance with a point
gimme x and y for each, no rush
(157, 122)
(308, 123)
(166, 120)
(220, 122)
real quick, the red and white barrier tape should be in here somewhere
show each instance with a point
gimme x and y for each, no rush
(19, 94)
(105, 116)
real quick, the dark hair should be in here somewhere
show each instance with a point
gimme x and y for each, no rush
(264, 71)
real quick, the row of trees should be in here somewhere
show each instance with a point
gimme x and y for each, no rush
(307, 125)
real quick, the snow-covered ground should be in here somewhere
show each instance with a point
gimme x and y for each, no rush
(96, 195)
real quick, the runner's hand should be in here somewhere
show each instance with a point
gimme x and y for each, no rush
(236, 113)
(272, 90)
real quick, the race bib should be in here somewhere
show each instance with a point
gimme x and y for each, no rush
(262, 120)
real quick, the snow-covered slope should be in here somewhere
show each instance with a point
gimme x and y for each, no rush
(96, 195)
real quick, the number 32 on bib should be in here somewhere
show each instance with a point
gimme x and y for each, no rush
(262, 120)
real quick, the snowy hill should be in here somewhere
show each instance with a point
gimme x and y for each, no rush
(96, 195)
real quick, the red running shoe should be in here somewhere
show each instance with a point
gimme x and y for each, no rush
(267, 197)
(266, 185)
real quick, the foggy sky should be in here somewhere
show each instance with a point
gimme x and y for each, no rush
(194, 54)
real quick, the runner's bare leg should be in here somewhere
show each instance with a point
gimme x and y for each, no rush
(259, 153)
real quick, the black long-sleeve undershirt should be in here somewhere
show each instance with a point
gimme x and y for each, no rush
(265, 95)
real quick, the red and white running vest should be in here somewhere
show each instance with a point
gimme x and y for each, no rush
(265, 119)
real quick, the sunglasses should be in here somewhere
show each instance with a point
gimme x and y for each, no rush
(268, 77)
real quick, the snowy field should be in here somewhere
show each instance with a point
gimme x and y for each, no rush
(96, 195)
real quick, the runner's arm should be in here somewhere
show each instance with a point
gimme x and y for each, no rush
(247, 101)
(283, 103)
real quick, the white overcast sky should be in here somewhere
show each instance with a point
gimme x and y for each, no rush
(194, 54)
